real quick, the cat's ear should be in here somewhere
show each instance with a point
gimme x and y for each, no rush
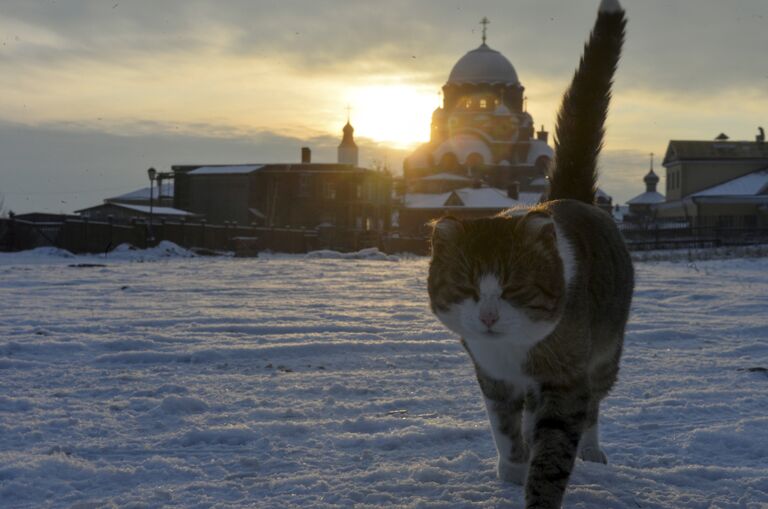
(445, 230)
(538, 225)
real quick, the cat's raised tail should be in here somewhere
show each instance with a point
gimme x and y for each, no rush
(581, 119)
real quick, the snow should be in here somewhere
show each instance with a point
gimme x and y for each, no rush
(143, 194)
(149, 379)
(463, 146)
(445, 176)
(162, 211)
(472, 198)
(648, 197)
(226, 170)
(371, 253)
(752, 184)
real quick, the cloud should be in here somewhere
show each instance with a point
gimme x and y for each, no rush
(108, 88)
(687, 44)
(67, 166)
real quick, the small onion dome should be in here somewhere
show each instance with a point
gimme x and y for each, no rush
(651, 178)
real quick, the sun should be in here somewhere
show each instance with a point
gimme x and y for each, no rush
(396, 114)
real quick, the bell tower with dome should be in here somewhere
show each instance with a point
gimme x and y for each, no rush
(347, 152)
(482, 130)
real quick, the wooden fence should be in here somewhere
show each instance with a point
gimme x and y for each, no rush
(83, 236)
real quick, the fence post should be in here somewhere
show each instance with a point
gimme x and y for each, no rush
(110, 221)
(12, 232)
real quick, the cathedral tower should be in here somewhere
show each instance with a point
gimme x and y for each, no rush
(347, 151)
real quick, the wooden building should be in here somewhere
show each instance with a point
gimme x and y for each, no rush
(719, 183)
(306, 195)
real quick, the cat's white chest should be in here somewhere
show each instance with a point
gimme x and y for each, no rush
(501, 360)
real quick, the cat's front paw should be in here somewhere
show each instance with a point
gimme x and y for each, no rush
(512, 472)
(593, 454)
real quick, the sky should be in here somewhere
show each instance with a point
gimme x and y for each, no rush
(92, 93)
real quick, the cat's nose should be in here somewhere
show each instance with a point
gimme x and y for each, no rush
(489, 318)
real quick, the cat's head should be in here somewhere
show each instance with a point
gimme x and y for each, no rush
(499, 278)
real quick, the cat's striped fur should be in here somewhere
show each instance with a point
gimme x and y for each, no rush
(541, 297)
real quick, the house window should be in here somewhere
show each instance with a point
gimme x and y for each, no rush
(358, 223)
(483, 103)
(368, 224)
(329, 191)
(359, 191)
(304, 186)
(468, 103)
(395, 219)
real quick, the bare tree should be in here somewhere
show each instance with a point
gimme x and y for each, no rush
(3, 212)
(381, 165)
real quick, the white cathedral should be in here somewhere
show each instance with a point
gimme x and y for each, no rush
(483, 131)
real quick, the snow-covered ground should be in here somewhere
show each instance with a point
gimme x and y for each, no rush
(290, 382)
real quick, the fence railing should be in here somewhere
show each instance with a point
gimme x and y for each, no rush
(83, 236)
(686, 237)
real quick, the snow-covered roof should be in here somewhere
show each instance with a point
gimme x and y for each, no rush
(647, 198)
(144, 209)
(444, 176)
(599, 193)
(226, 170)
(619, 212)
(538, 149)
(143, 194)
(162, 211)
(483, 65)
(752, 184)
(462, 146)
(469, 198)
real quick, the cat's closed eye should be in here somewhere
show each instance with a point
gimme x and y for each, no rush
(511, 292)
(468, 290)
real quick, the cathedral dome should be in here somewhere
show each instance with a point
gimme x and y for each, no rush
(483, 65)
(651, 178)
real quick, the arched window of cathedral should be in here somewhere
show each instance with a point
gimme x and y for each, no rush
(475, 160)
(483, 104)
(449, 162)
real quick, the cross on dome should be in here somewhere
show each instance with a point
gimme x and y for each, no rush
(485, 22)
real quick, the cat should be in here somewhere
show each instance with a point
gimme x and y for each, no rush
(540, 296)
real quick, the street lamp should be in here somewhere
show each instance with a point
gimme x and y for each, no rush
(151, 173)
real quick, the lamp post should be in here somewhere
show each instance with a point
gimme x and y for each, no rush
(151, 173)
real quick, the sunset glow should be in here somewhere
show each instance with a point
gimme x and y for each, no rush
(395, 114)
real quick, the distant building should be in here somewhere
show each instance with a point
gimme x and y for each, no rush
(124, 212)
(162, 195)
(641, 207)
(136, 205)
(483, 129)
(465, 203)
(720, 183)
(308, 195)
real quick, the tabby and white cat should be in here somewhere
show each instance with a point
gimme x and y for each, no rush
(541, 296)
